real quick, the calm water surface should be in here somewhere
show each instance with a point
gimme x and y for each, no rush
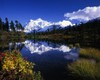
(51, 59)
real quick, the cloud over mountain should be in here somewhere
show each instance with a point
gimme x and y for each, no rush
(85, 14)
(42, 24)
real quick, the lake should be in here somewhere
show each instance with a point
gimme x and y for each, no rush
(51, 59)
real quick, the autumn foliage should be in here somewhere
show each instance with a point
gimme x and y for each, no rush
(15, 67)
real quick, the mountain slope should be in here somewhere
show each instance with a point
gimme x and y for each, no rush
(42, 25)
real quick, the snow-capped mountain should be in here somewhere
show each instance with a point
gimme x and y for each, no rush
(42, 25)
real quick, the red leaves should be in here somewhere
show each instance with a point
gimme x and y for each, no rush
(1, 53)
(4, 54)
(25, 58)
(14, 58)
(1, 56)
(15, 50)
(0, 59)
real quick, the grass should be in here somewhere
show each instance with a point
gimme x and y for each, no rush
(90, 53)
(77, 45)
(98, 71)
(4, 35)
(56, 36)
(82, 70)
(87, 67)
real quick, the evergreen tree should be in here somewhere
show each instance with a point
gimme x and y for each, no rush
(48, 30)
(12, 26)
(21, 27)
(54, 28)
(1, 26)
(17, 25)
(6, 24)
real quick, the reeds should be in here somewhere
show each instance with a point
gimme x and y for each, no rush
(90, 53)
(87, 67)
(84, 70)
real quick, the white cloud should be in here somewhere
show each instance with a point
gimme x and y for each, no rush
(85, 14)
(41, 24)
(64, 23)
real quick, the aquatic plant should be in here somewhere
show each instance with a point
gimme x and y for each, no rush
(83, 70)
(88, 67)
(98, 71)
(71, 46)
(90, 53)
(77, 45)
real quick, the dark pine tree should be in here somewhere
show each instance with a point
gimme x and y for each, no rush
(21, 27)
(1, 26)
(17, 24)
(54, 29)
(12, 26)
(6, 24)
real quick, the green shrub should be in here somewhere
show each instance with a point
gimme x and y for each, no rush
(77, 45)
(71, 46)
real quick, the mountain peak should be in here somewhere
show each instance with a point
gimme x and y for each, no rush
(43, 24)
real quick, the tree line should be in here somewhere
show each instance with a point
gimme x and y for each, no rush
(90, 29)
(10, 26)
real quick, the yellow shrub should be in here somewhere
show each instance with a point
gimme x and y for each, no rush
(13, 61)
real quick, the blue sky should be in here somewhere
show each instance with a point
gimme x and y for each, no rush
(49, 10)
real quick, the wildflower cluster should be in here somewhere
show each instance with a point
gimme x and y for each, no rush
(13, 64)
(2, 56)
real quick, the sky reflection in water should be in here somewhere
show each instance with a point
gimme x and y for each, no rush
(41, 47)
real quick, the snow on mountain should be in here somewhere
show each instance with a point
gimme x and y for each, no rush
(36, 25)
(63, 23)
(43, 25)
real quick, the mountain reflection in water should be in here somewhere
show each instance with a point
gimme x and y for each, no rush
(41, 47)
(51, 59)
